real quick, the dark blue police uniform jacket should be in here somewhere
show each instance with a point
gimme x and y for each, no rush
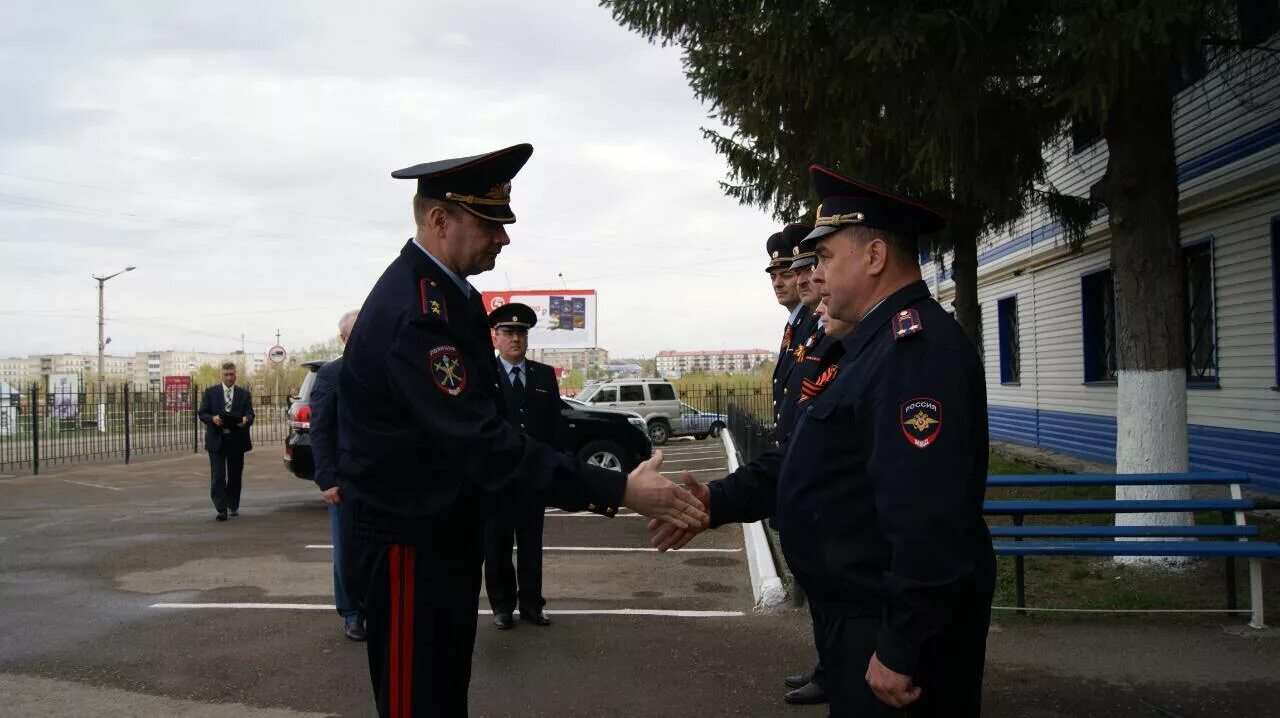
(797, 331)
(817, 355)
(538, 413)
(881, 484)
(423, 430)
(324, 424)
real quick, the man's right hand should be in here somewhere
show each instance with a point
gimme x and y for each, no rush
(332, 496)
(651, 494)
(217, 421)
(666, 536)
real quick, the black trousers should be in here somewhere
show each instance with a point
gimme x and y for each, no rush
(507, 587)
(227, 474)
(419, 602)
(949, 672)
(819, 668)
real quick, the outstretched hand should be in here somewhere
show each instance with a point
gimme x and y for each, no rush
(653, 495)
(667, 536)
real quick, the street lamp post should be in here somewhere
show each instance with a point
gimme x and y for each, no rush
(101, 345)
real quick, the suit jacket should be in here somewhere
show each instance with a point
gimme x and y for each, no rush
(538, 413)
(324, 424)
(226, 439)
(423, 429)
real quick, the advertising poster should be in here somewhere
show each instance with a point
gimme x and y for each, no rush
(64, 389)
(177, 393)
(566, 317)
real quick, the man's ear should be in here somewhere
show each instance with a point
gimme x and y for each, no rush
(436, 220)
(876, 255)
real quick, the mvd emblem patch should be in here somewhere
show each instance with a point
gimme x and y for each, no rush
(921, 421)
(447, 370)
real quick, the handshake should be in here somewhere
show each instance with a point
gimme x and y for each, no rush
(676, 513)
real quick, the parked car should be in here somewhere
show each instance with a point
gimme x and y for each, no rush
(606, 437)
(698, 424)
(609, 438)
(654, 399)
(297, 445)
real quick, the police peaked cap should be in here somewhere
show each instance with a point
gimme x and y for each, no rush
(782, 246)
(800, 256)
(513, 316)
(847, 202)
(480, 184)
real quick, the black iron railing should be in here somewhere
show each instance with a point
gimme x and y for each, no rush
(40, 428)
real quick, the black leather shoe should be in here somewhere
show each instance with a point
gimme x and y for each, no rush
(809, 694)
(222, 516)
(798, 680)
(356, 632)
(539, 617)
(503, 621)
(235, 512)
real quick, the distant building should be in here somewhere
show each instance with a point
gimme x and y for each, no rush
(570, 359)
(722, 361)
(24, 371)
(150, 368)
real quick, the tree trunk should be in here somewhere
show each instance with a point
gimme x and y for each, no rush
(1140, 188)
(964, 265)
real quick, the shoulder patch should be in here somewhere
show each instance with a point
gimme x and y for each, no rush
(906, 323)
(921, 421)
(432, 299)
(447, 371)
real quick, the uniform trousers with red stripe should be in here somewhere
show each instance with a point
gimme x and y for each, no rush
(419, 601)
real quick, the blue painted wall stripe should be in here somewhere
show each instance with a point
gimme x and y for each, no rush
(1216, 158)
(1093, 436)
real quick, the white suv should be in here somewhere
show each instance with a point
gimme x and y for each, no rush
(653, 399)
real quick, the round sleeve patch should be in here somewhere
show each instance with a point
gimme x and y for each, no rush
(921, 421)
(447, 371)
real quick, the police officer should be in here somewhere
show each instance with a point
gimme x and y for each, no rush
(533, 406)
(881, 484)
(425, 445)
(781, 248)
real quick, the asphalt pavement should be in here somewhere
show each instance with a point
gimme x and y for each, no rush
(121, 596)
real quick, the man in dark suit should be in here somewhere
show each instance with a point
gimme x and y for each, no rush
(324, 451)
(227, 413)
(533, 406)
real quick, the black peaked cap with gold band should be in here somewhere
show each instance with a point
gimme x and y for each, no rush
(480, 184)
(801, 257)
(782, 246)
(513, 316)
(847, 202)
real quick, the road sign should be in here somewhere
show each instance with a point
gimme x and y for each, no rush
(276, 354)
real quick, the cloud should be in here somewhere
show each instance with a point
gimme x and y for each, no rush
(239, 154)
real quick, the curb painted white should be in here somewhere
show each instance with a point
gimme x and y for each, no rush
(766, 587)
(1151, 437)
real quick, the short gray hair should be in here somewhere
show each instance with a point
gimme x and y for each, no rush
(228, 365)
(346, 322)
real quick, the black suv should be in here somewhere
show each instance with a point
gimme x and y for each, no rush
(613, 439)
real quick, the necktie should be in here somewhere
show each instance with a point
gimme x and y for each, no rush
(227, 394)
(517, 385)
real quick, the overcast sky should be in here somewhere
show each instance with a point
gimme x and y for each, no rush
(239, 154)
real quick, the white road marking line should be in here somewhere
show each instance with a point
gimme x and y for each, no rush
(696, 471)
(671, 613)
(588, 514)
(96, 486)
(600, 549)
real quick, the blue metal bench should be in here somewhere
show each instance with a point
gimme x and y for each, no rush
(1228, 541)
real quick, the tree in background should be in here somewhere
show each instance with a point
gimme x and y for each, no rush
(926, 98)
(206, 375)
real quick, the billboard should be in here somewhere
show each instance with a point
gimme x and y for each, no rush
(177, 393)
(65, 393)
(566, 317)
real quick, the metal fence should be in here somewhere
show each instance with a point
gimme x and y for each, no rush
(40, 429)
(748, 407)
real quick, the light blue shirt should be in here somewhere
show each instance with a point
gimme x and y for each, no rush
(463, 284)
(524, 369)
(791, 319)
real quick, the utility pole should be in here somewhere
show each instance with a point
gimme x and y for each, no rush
(101, 341)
